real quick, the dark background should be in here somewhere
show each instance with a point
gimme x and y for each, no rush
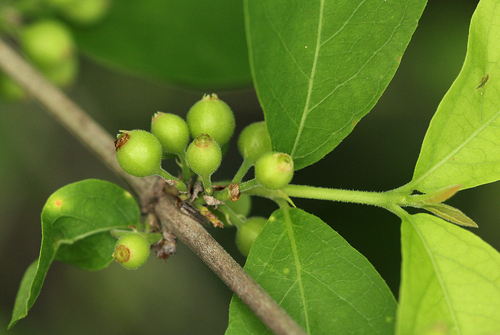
(181, 295)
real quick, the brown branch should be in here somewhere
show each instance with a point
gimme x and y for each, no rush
(186, 229)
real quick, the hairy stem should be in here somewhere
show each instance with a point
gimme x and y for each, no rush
(242, 171)
(185, 228)
(381, 199)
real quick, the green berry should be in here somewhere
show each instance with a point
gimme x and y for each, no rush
(139, 153)
(274, 170)
(242, 206)
(254, 141)
(213, 117)
(204, 155)
(47, 42)
(247, 233)
(172, 132)
(10, 90)
(64, 73)
(58, 3)
(85, 12)
(131, 251)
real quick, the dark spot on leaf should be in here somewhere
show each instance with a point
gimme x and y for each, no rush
(484, 80)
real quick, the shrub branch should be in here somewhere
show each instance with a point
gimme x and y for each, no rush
(189, 231)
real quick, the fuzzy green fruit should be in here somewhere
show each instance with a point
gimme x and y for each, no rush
(139, 153)
(131, 251)
(247, 233)
(213, 117)
(274, 170)
(47, 42)
(172, 132)
(254, 141)
(204, 155)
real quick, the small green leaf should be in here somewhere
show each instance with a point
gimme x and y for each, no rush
(450, 280)
(320, 66)
(76, 221)
(451, 214)
(195, 43)
(317, 277)
(462, 144)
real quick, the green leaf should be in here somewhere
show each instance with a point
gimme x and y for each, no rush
(450, 280)
(320, 66)
(75, 229)
(195, 43)
(462, 144)
(317, 277)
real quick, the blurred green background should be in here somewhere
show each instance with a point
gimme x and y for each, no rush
(181, 295)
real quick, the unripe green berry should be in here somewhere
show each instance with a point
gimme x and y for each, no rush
(242, 206)
(213, 117)
(64, 73)
(172, 132)
(131, 250)
(247, 233)
(204, 155)
(274, 170)
(10, 90)
(139, 153)
(254, 141)
(47, 42)
(85, 12)
(58, 3)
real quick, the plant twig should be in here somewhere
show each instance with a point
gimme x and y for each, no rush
(224, 266)
(91, 134)
(70, 115)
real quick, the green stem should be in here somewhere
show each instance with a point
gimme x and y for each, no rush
(245, 186)
(167, 176)
(186, 171)
(231, 216)
(384, 199)
(242, 171)
(207, 184)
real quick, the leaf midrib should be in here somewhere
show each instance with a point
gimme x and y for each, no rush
(438, 275)
(298, 265)
(457, 149)
(311, 79)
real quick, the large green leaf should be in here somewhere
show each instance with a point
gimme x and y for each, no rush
(75, 229)
(196, 43)
(462, 144)
(450, 280)
(317, 277)
(320, 66)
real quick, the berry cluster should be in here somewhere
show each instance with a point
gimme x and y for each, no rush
(210, 123)
(45, 39)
